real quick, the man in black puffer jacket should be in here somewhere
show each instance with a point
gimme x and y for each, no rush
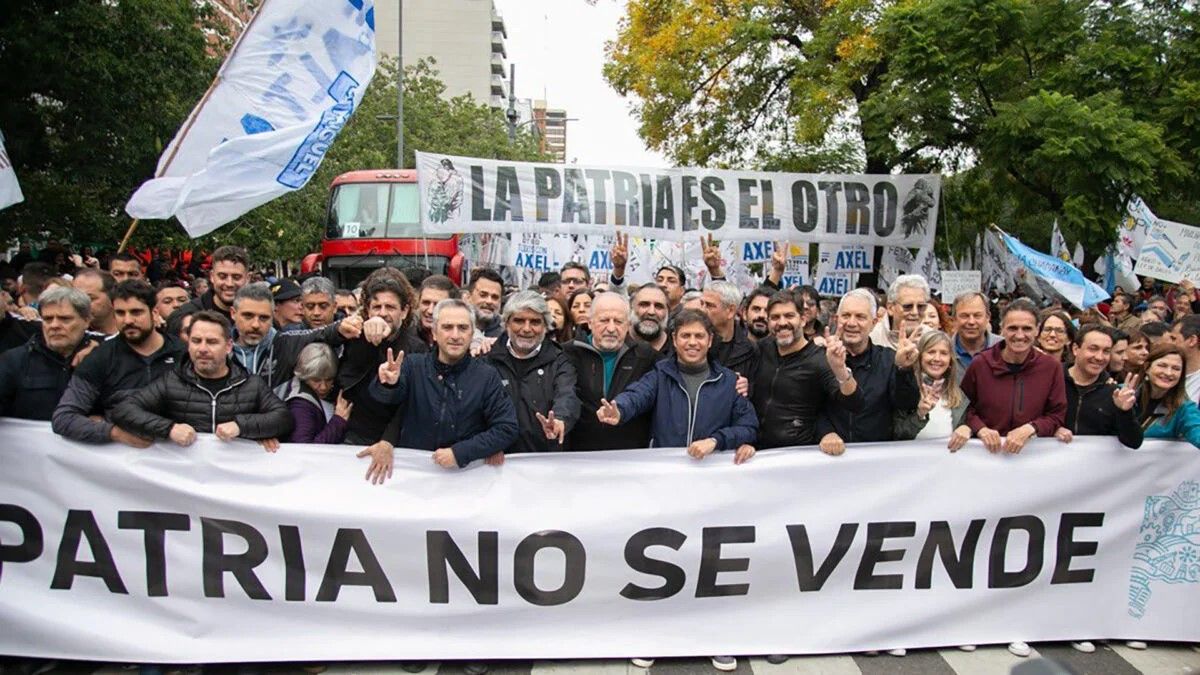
(207, 393)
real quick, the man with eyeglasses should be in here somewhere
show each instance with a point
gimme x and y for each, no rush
(574, 276)
(907, 298)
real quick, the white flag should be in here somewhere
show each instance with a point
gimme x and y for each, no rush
(287, 88)
(10, 190)
(1058, 244)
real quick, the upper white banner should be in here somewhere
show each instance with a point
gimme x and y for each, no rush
(122, 555)
(469, 194)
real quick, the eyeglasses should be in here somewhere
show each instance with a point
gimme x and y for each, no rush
(1054, 331)
(914, 306)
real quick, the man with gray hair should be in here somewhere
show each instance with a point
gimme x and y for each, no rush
(318, 302)
(731, 346)
(907, 298)
(606, 363)
(536, 373)
(34, 376)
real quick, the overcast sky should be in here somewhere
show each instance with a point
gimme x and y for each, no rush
(558, 49)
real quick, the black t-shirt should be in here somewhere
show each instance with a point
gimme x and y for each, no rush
(213, 385)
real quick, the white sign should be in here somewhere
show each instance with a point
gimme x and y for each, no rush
(1171, 252)
(956, 283)
(676, 204)
(258, 552)
(287, 88)
(10, 190)
(845, 259)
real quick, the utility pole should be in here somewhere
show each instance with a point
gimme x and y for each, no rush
(399, 84)
(511, 114)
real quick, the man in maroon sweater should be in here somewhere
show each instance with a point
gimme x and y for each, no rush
(1016, 392)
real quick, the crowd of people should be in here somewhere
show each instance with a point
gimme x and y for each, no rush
(410, 360)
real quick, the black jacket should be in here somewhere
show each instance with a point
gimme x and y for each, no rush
(634, 360)
(1091, 412)
(178, 398)
(33, 378)
(372, 421)
(15, 332)
(739, 354)
(105, 377)
(203, 302)
(539, 384)
(885, 389)
(274, 359)
(789, 393)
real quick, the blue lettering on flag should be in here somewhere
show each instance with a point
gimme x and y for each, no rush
(253, 124)
(308, 156)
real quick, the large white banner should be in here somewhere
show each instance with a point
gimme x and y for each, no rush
(469, 194)
(222, 552)
(288, 87)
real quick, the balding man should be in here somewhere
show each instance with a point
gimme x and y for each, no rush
(606, 363)
(97, 284)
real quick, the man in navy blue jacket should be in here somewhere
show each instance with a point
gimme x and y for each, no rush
(692, 399)
(451, 403)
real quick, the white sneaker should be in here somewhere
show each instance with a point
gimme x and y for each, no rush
(1019, 649)
(726, 664)
(898, 652)
(642, 663)
(966, 648)
(1084, 646)
(1135, 644)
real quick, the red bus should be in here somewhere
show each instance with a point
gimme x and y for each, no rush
(374, 220)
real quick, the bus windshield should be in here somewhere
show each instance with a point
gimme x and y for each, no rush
(359, 210)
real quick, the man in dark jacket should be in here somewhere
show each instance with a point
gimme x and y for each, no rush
(485, 292)
(885, 377)
(693, 400)
(34, 376)
(130, 361)
(796, 378)
(732, 347)
(206, 393)
(606, 364)
(265, 351)
(1095, 405)
(537, 375)
(229, 272)
(452, 403)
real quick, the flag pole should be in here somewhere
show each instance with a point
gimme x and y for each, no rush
(191, 120)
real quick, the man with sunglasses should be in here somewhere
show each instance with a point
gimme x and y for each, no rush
(907, 298)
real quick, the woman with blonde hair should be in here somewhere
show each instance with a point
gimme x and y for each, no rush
(943, 408)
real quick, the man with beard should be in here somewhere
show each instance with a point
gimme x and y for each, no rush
(606, 364)
(884, 375)
(651, 306)
(264, 351)
(754, 313)
(133, 359)
(434, 289)
(206, 393)
(731, 347)
(230, 271)
(484, 293)
(34, 376)
(98, 284)
(538, 376)
(796, 379)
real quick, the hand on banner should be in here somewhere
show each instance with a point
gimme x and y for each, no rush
(990, 438)
(1064, 434)
(1125, 396)
(712, 257)
(133, 440)
(495, 459)
(959, 438)
(351, 327)
(382, 461)
(551, 427)
(618, 255)
(742, 386)
(227, 431)
(779, 262)
(1016, 439)
(342, 408)
(182, 434)
(376, 329)
(444, 457)
(389, 370)
(702, 448)
(608, 413)
(906, 350)
(82, 354)
(832, 444)
(743, 454)
(269, 444)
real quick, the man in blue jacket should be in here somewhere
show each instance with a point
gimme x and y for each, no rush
(451, 403)
(692, 399)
